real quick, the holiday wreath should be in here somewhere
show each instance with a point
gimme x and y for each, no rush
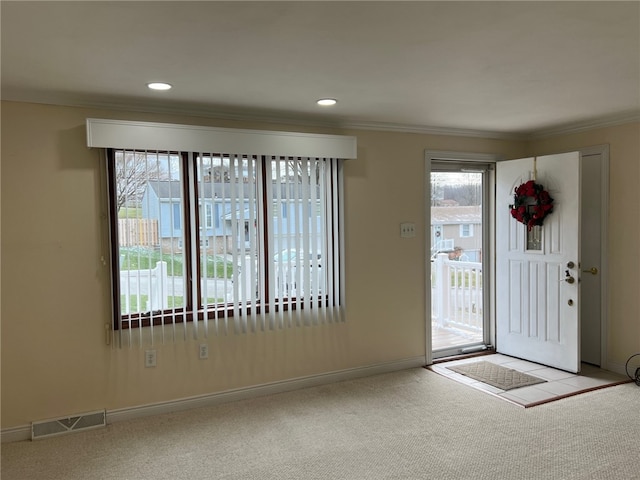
(531, 204)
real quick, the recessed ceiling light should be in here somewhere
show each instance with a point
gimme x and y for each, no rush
(327, 102)
(158, 86)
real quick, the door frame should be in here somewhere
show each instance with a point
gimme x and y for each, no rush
(601, 149)
(488, 228)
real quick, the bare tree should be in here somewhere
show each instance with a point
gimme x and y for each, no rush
(456, 188)
(297, 172)
(220, 174)
(465, 194)
(133, 171)
(437, 188)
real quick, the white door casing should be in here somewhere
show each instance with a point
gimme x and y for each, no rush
(537, 310)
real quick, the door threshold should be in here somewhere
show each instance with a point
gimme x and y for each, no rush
(489, 351)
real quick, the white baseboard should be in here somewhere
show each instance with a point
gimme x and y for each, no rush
(123, 414)
(16, 434)
(616, 368)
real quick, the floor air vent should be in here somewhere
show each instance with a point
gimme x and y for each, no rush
(61, 426)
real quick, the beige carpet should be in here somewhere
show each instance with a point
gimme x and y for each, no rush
(496, 375)
(413, 425)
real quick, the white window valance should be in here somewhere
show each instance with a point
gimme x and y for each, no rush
(106, 133)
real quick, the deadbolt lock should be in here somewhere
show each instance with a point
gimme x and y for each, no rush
(570, 264)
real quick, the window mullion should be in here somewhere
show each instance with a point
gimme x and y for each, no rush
(334, 275)
(113, 234)
(271, 193)
(191, 242)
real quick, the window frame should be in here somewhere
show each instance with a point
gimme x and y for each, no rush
(208, 216)
(191, 238)
(469, 230)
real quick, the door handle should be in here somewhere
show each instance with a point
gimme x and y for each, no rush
(568, 278)
(592, 271)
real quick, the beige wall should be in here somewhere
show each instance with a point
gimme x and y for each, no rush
(55, 288)
(623, 232)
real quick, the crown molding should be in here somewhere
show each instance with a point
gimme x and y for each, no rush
(306, 121)
(248, 116)
(427, 130)
(592, 124)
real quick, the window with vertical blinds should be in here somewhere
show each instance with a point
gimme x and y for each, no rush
(205, 242)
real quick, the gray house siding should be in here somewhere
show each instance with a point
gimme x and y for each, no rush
(447, 230)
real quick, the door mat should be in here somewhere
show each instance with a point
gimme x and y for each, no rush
(496, 375)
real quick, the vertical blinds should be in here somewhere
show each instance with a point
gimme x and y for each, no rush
(233, 243)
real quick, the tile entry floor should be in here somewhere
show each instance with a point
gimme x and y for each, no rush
(559, 383)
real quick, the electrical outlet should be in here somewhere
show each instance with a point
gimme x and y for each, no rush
(204, 351)
(149, 358)
(407, 230)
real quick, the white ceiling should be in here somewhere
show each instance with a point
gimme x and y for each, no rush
(502, 67)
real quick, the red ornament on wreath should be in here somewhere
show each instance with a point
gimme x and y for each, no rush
(531, 204)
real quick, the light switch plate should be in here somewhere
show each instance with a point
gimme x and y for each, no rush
(407, 230)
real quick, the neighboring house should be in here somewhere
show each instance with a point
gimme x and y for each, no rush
(457, 226)
(162, 202)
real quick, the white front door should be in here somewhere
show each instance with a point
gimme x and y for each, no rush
(537, 302)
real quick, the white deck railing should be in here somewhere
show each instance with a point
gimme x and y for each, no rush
(144, 290)
(456, 299)
(149, 290)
